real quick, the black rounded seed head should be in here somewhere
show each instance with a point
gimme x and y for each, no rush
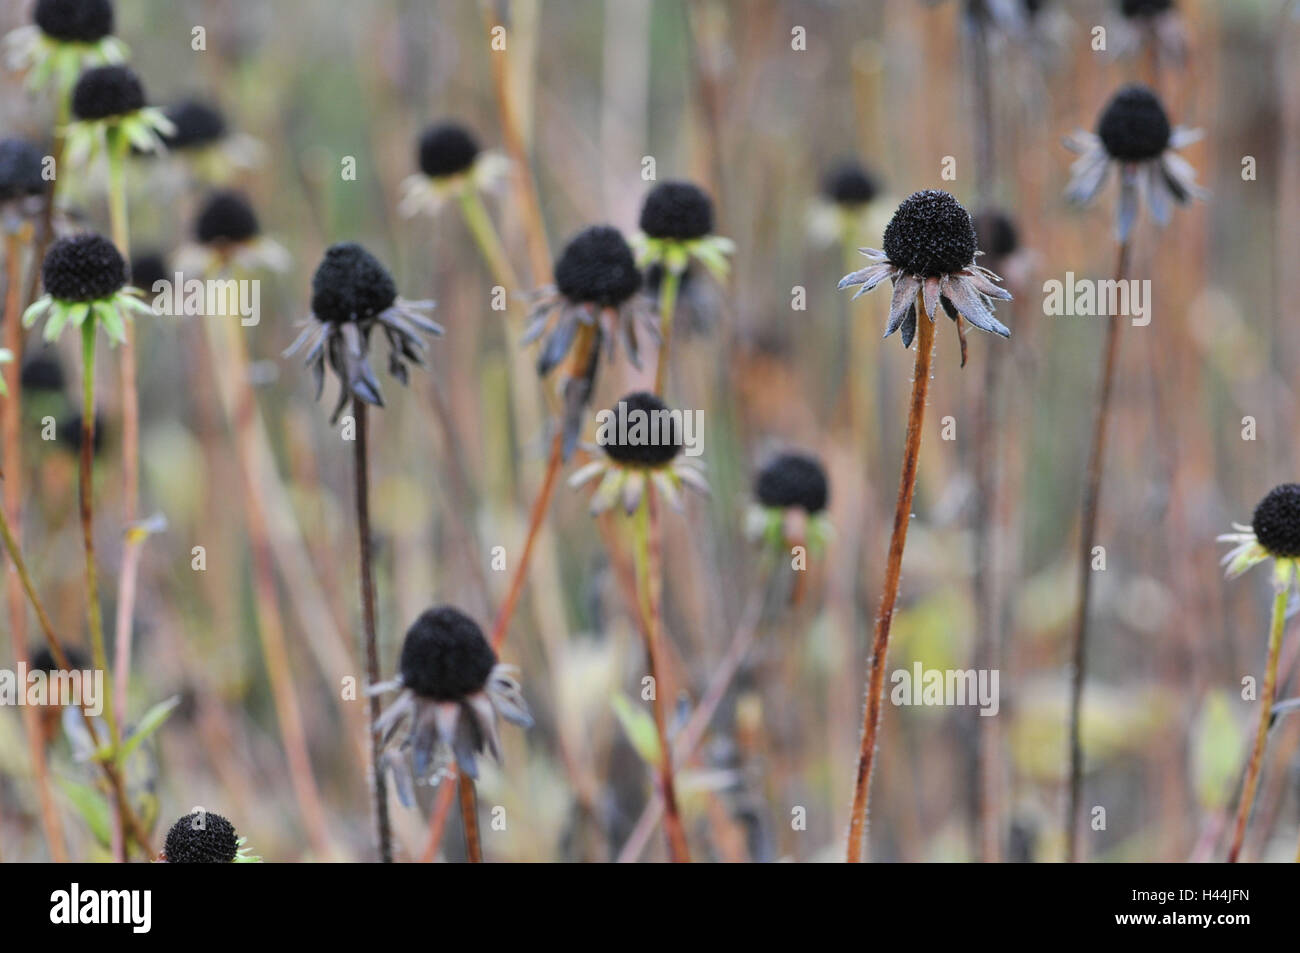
(147, 269)
(201, 838)
(930, 235)
(1134, 9)
(849, 184)
(1133, 126)
(226, 218)
(74, 21)
(649, 440)
(446, 148)
(83, 267)
(997, 233)
(445, 656)
(677, 210)
(107, 91)
(43, 373)
(42, 660)
(197, 125)
(20, 170)
(1277, 521)
(793, 479)
(597, 267)
(350, 285)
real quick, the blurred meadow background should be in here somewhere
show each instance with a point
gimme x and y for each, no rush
(755, 102)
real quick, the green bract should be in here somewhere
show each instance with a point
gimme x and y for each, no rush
(674, 254)
(111, 312)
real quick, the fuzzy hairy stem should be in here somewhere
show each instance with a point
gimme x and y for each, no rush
(893, 569)
(469, 818)
(378, 784)
(1087, 538)
(1265, 717)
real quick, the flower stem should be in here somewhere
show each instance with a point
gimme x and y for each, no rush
(650, 584)
(469, 817)
(667, 310)
(1087, 537)
(486, 237)
(1265, 716)
(378, 785)
(893, 569)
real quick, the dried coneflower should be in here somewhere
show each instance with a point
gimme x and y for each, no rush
(1273, 533)
(453, 689)
(1134, 136)
(109, 111)
(201, 136)
(64, 36)
(642, 442)
(228, 237)
(203, 837)
(593, 304)
(930, 252)
(790, 497)
(1156, 25)
(85, 278)
(677, 229)
(352, 295)
(452, 165)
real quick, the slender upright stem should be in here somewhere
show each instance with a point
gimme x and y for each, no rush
(1265, 717)
(486, 237)
(668, 286)
(378, 784)
(649, 584)
(893, 569)
(469, 817)
(1087, 537)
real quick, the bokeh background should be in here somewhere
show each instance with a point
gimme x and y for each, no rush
(715, 93)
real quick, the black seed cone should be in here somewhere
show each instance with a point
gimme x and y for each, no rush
(997, 233)
(74, 21)
(197, 124)
(1134, 126)
(677, 210)
(214, 843)
(793, 479)
(652, 452)
(107, 91)
(147, 269)
(83, 268)
(930, 235)
(848, 183)
(42, 660)
(597, 267)
(1144, 8)
(350, 285)
(226, 217)
(43, 372)
(20, 170)
(445, 656)
(446, 148)
(1277, 521)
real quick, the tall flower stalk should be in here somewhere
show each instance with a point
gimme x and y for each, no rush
(1134, 137)
(929, 255)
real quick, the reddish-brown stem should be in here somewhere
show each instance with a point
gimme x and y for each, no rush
(378, 784)
(469, 817)
(1087, 537)
(893, 569)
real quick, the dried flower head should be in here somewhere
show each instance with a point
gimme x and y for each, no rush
(74, 21)
(85, 277)
(42, 373)
(42, 660)
(453, 689)
(593, 304)
(63, 37)
(226, 218)
(21, 167)
(110, 111)
(929, 255)
(790, 497)
(450, 160)
(677, 226)
(639, 445)
(1134, 135)
(849, 184)
(197, 125)
(997, 234)
(1274, 533)
(352, 294)
(228, 236)
(148, 268)
(203, 837)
